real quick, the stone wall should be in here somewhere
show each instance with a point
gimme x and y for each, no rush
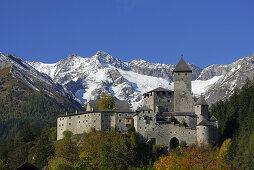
(183, 101)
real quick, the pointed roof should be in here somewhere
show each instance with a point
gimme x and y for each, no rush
(201, 101)
(213, 118)
(182, 66)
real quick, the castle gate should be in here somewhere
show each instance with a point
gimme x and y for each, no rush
(174, 142)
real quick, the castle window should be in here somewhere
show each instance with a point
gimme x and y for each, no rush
(189, 132)
(87, 115)
(102, 121)
(163, 93)
(186, 74)
(78, 116)
(183, 132)
(86, 120)
(99, 114)
(139, 118)
(143, 111)
(69, 117)
(204, 127)
(168, 100)
(153, 129)
(125, 114)
(94, 121)
(109, 121)
(148, 111)
(203, 133)
(151, 118)
(60, 118)
(78, 121)
(94, 114)
(145, 127)
(59, 125)
(120, 120)
(185, 117)
(111, 115)
(83, 121)
(128, 120)
(62, 125)
(69, 123)
(175, 132)
(159, 100)
(63, 118)
(140, 127)
(119, 114)
(178, 74)
(84, 115)
(182, 79)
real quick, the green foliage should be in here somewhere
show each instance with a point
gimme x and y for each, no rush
(3, 166)
(43, 148)
(134, 140)
(131, 129)
(106, 102)
(236, 117)
(60, 163)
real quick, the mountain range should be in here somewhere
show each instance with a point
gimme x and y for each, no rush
(88, 78)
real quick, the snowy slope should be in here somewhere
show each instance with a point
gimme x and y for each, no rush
(89, 78)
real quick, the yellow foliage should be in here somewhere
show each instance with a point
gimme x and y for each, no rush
(106, 102)
(224, 149)
(192, 157)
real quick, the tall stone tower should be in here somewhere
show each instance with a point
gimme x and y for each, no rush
(183, 101)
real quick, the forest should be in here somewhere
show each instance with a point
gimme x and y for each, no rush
(28, 133)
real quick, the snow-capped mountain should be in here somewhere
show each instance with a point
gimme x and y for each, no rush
(230, 76)
(89, 78)
(26, 73)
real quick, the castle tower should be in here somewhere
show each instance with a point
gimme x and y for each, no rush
(201, 109)
(183, 101)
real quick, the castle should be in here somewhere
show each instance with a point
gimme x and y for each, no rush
(166, 117)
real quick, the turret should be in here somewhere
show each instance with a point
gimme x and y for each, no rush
(182, 87)
(159, 100)
(201, 109)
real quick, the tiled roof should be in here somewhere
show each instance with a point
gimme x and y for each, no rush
(205, 123)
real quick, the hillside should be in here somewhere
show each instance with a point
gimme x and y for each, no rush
(25, 97)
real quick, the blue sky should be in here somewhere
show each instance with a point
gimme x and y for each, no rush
(205, 31)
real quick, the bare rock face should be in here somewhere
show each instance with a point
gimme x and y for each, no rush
(159, 70)
(89, 78)
(232, 76)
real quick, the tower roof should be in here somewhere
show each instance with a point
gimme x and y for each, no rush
(159, 89)
(182, 66)
(213, 118)
(201, 101)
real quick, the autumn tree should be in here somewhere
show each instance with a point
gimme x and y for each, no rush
(192, 157)
(106, 102)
